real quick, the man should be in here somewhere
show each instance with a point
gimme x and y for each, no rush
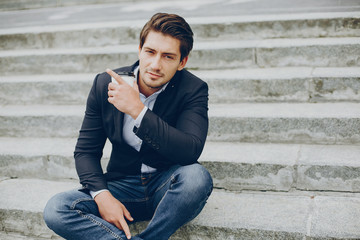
(157, 128)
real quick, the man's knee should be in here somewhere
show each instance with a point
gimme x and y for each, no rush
(196, 178)
(53, 209)
(60, 205)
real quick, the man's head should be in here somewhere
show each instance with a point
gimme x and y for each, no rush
(165, 43)
(172, 25)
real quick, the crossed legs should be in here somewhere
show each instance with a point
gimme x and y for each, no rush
(169, 199)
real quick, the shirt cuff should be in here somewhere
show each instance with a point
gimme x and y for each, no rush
(140, 117)
(93, 194)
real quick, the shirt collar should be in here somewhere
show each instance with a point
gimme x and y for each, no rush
(136, 73)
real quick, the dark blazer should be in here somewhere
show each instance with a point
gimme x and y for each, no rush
(174, 132)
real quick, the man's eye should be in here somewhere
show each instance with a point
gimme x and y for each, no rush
(169, 57)
(149, 51)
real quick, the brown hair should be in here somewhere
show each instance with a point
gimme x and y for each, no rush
(173, 25)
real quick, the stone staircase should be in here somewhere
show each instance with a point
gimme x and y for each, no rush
(284, 139)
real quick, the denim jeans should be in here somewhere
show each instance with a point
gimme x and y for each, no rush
(169, 199)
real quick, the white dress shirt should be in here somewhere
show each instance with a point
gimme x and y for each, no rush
(129, 123)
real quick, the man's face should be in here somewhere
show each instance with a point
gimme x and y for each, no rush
(159, 60)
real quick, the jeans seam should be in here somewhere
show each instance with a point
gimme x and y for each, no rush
(72, 207)
(99, 224)
(92, 219)
(171, 178)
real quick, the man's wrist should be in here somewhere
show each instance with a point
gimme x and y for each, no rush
(140, 117)
(137, 110)
(94, 194)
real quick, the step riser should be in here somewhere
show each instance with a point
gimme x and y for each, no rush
(286, 130)
(70, 39)
(262, 130)
(320, 56)
(48, 93)
(117, 35)
(220, 91)
(32, 224)
(26, 223)
(64, 63)
(225, 216)
(313, 89)
(226, 175)
(38, 126)
(324, 56)
(21, 5)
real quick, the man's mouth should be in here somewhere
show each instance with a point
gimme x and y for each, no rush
(154, 75)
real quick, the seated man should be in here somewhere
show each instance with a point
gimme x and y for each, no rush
(157, 126)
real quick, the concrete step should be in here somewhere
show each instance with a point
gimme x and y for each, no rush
(226, 86)
(135, 9)
(320, 123)
(234, 166)
(13, 5)
(218, 28)
(324, 52)
(247, 215)
(17, 236)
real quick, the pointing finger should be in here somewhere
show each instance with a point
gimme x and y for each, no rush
(125, 228)
(115, 76)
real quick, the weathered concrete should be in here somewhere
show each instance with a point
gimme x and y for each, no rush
(338, 52)
(321, 123)
(327, 52)
(233, 166)
(226, 216)
(41, 121)
(8, 5)
(335, 123)
(301, 84)
(139, 9)
(319, 166)
(245, 57)
(63, 89)
(307, 25)
(338, 84)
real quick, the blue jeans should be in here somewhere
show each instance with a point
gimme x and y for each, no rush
(169, 199)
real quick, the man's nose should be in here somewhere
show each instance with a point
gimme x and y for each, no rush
(156, 65)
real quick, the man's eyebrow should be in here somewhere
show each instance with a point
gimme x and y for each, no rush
(164, 53)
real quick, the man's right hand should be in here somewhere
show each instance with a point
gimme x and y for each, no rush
(113, 211)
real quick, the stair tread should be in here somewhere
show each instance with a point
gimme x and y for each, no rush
(252, 110)
(251, 153)
(298, 213)
(286, 110)
(241, 73)
(9, 29)
(204, 45)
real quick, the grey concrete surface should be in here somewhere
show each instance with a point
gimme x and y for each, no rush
(304, 25)
(226, 216)
(145, 9)
(225, 86)
(234, 166)
(299, 159)
(328, 52)
(322, 123)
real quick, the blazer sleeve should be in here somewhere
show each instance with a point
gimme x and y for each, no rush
(183, 143)
(90, 144)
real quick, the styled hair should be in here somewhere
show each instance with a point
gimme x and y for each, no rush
(172, 25)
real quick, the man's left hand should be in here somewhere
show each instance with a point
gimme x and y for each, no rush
(124, 97)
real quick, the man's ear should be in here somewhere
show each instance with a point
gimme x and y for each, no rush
(183, 63)
(139, 52)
